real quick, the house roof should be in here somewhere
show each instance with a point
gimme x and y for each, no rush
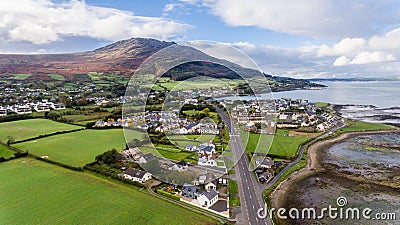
(210, 195)
(207, 149)
(148, 156)
(135, 173)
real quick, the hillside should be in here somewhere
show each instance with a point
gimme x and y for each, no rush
(125, 57)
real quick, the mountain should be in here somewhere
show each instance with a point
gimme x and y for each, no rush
(126, 56)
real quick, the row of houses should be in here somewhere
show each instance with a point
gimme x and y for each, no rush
(30, 107)
(164, 122)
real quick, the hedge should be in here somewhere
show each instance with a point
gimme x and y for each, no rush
(169, 195)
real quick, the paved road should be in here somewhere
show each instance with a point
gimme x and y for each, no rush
(249, 193)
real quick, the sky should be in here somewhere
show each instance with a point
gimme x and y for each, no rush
(302, 39)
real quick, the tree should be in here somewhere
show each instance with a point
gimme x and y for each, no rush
(108, 157)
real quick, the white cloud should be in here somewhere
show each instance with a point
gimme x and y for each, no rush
(341, 61)
(43, 21)
(346, 46)
(372, 57)
(172, 6)
(388, 41)
(303, 62)
(315, 18)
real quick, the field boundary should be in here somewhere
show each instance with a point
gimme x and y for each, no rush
(48, 135)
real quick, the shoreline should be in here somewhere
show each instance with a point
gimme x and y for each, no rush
(278, 196)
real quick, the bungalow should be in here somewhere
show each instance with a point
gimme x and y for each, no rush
(145, 158)
(190, 147)
(209, 149)
(210, 186)
(264, 163)
(190, 191)
(208, 199)
(137, 175)
(206, 162)
(58, 106)
(180, 166)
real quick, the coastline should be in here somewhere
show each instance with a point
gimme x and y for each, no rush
(280, 193)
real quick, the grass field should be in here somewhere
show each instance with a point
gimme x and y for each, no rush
(21, 76)
(321, 104)
(77, 148)
(205, 83)
(283, 145)
(354, 126)
(34, 192)
(23, 129)
(6, 152)
(213, 115)
(56, 77)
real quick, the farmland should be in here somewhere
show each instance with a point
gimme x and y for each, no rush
(40, 193)
(77, 148)
(24, 129)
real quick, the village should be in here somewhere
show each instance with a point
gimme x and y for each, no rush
(205, 188)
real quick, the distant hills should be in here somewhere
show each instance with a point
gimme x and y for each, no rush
(125, 57)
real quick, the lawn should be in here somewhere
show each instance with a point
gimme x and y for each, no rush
(24, 129)
(6, 152)
(77, 148)
(283, 145)
(34, 192)
(354, 126)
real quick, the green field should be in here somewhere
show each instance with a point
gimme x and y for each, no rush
(6, 152)
(77, 148)
(56, 77)
(213, 115)
(21, 76)
(283, 145)
(198, 84)
(321, 104)
(24, 129)
(35, 192)
(354, 126)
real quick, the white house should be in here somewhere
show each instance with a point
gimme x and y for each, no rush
(210, 186)
(191, 148)
(208, 199)
(137, 175)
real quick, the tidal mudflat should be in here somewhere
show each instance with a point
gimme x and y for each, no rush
(363, 168)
